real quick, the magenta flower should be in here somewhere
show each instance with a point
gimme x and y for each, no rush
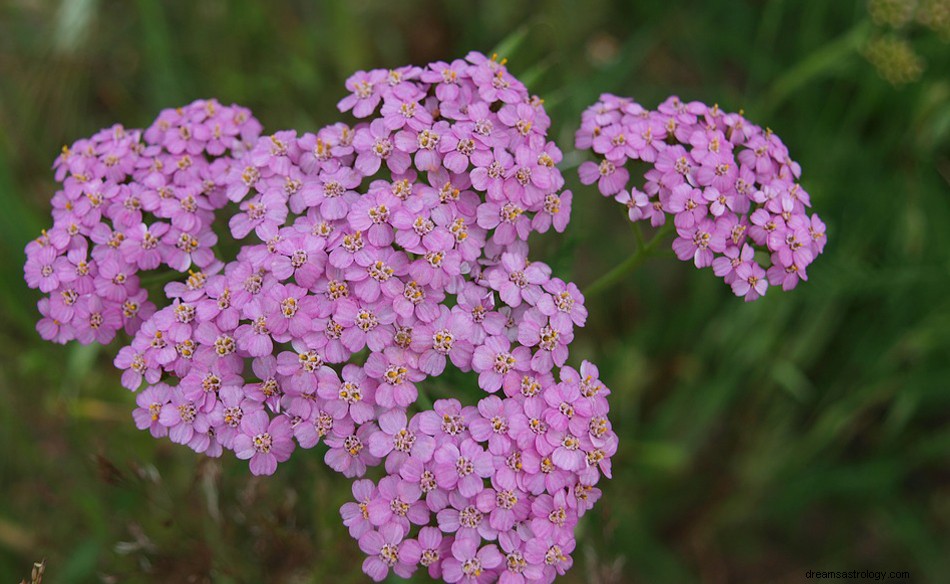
(689, 204)
(416, 471)
(182, 249)
(528, 428)
(367, 325)
(427, 550)
(493, 81)
(301, 373)
(476, 306)
(563, 303)
(568, 408)
(418, 230)
(135, 368)
(469, 563)
(584, 497)
(552, 516)
(491, 425)
(116, 280)
(398, 440)
(254, 338)
(377, 273)
(515, 564)
(505, 505)
(541, 474)
(424, 144)
(396, 371)
(300, 256)
(291, 312)
(698, 243)
(463, 466)
(309, 421)
(491, 170)
(229, 412)
(517, 280)
(259, 214)
(372, 215)
(264, 441)
(530, 178)
(150, 403)
(463, 518)
(447, 77)
(348, 453)
(356, 515)
(354, 396)
(365, 93)
(202, 384)
(817, 231)
(447, 421)
(45, 269)
(269, 390)
(375, 145)
(610, 179)
(382, 547)
(336, 194)
(405, 111)
(399, 243)
(458, 146)
(182, 418)
(706, 166)
(750, 282)
(418, 301)
(142, 246)
(96, 320)
(446, 336)
(397, 502)
(498, 365)
(507, 220)
(613, 144)
(555, 212)
(553, 558)
(551, 339)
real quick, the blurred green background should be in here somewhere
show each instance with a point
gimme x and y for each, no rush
(808, 430)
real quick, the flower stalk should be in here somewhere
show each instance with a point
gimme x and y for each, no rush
(643, 252)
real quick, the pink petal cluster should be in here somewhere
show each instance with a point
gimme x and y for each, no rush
(730, 186)
(132, 200)
(486, 493)
(376, 256)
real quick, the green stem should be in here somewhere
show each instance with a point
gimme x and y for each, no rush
(638, 233)
(644, 251)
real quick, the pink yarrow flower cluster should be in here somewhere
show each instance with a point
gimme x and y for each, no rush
(132, 200)
(374, 256)
(730, 186)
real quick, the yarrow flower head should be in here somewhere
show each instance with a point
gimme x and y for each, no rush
(730, 186)
(374, 255)
(133, 200)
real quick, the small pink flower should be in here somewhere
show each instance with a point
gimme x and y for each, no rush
(470, 563)
(356, 515)
(150, 403)
(609, 178)
(348, 453)
(427, 550)
(382, 547)
(463, 466)
(397, 373)
(398, 440)
(498, 364)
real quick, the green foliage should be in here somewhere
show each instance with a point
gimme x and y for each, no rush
(805, 431)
